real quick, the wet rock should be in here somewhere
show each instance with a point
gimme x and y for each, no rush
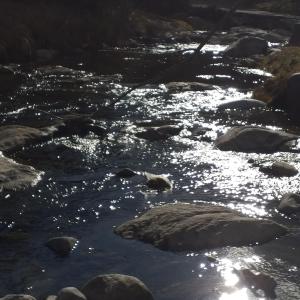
(187, 227)
(70, 293)
(180, 87)
(279, 169)
(243, 104)
(51, 297)
(116, 287)
(15, 136)
(14, 176)
(289, 203)
(159, 133)
(17, 297)
(158, 182)
(126, 173)
(247, 46)
(56, 70)
(8, 79)
(258, 281)
(155, 123)
(253, 139)
(295, 38)
(62, 246)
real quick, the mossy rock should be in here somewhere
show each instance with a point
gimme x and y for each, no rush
(282, 65)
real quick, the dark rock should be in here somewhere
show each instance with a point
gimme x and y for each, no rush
(258, 281)
(253, 139)
(279, 169)
(158, 182)
(70, 293)
(116, 287)
(289, 203)
(56, 70)
(62, 246)
(247, 46)
(155, 123)
(126, 173)
(14, 176)
(243, 104)
(180, 87)
(295, 38)
(159, 133)
(9, 80)
(189, 227)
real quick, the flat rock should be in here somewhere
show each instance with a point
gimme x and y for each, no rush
(279, 169)
(253, 139)
(62, 246)
(180, 87)
(70, 293)
(188, 227)
(14, 176)
(242, 104)
(247, 46)
(116, 287)
(289, 203)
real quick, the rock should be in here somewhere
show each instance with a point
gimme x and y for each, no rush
(258, 281)
(8, 79)
(62, 246)
(155, 123)
(189, 227)
(180, 87)
(70, 293)
(289, 203)
(126, 173)
(295, 38)
(244, 104)
(14, 136)
(14, 176)
(279, 169)
(46, 55)
(253, 139)
(159, 133)
(56, 70)
(158, 182)
(247, 46)
(116, 287)
(17, 297)
(51, 297)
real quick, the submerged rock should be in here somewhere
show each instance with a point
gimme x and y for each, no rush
(247, 46)
(279, 169)
(126, 173)
(289, 203)
(62, 245)
(187, 227)
(158, 182)
(116, 287)
(253, 139)
(258, 281)
(180, 87)
(242, 104)
(14, 176)
(159, 133)
(70, 293)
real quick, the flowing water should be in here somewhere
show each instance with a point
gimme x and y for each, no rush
(79, 195)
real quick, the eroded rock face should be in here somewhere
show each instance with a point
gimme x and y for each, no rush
(186, 227)
(62, 246)
(14, 176)
(253, 139)
(247, 46)
(116, 287)
(289, 203)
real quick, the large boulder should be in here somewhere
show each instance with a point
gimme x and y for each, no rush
(253, 139)
(247, 46)
(279, 169)
(289, 203)
(188, 227)
(116, 287)
(14, 176)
